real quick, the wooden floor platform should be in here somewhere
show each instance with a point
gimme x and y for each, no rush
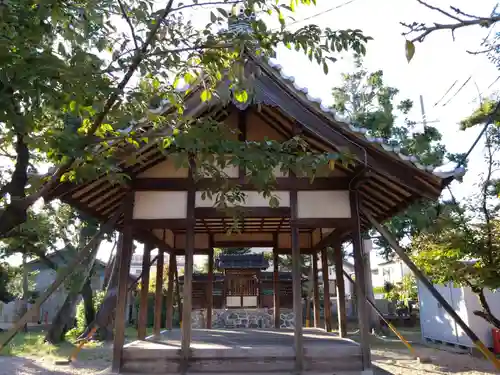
(241, 350)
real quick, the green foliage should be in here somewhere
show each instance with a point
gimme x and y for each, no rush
(67, 97)
(42, 233)
(7, 276)
(152, 280)
(366, 99)
(481, 114)
(403, 291)
(98, 299)
(463, 247)
(14, 283)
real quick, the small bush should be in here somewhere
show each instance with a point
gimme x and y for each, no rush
(80, 315)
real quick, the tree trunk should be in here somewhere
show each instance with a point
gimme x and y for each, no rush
(64, 318)
(88, 302)
(105, 322)
(486, 314)
(14, 213)
(62, 321)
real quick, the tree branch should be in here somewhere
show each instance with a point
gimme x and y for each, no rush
(484, 205)
(127, 18)
(209, 3)
(487, 314)
(423, 30)
(193, 48)
(63, 168)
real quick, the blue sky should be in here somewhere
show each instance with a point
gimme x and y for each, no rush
(437, 64)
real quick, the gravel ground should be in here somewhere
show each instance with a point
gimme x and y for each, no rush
(392, 361)
(442, 362)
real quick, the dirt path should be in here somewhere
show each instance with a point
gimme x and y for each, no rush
(443, 362)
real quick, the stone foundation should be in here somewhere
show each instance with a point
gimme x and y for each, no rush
(242, 318)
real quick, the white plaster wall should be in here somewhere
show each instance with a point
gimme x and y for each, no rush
(249, 301)
(233, 301)
(160, 205)
(323, 204)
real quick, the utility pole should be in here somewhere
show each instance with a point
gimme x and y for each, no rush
(422, 109)
(25, 290)
(424, 121)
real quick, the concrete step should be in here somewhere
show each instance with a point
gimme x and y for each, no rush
(237, 360)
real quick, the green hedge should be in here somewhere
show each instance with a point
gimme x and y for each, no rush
(151, 309)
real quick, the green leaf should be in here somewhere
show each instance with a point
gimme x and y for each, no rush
(241, 96)
(409, 49)
(223, 12)
(213, 17)
(206, 95)
(325, 67)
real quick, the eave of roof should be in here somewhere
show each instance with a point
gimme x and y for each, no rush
(334, 117)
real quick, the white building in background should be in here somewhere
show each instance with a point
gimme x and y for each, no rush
(392, 272)
(136, 263)
(437, 324)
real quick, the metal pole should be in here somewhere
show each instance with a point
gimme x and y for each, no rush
(379, 313)
(425, 281)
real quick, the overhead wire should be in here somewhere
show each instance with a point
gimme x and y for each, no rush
(446, 93)
(317, 14)
(322, 13)
(458, 91)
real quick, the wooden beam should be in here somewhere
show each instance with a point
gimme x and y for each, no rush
(362, 304)
(124, 258)
(142, 319)
(256, 243)
(242, 137)
(435, 293)
(178, 295)
(321, 223)
(316, 304)
(296, 286)
(282, 183)
(257, 212)
(340, 137)
(172, 265)
(326, 291)
(188, 274)
(339, 276)
(158, 294)
(210, 288)
(276, 290)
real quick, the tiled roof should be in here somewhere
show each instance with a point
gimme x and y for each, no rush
(439, 171)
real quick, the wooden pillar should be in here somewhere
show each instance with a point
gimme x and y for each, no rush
(276, 289)
(363, 308)
(316, 305)
(172, 265)
(296, 284)
(178, 295)
(188, 269)
(158, 293)
(326, 291)
(124, 258)
(210, 288)
(339, 276)
(142, 319)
